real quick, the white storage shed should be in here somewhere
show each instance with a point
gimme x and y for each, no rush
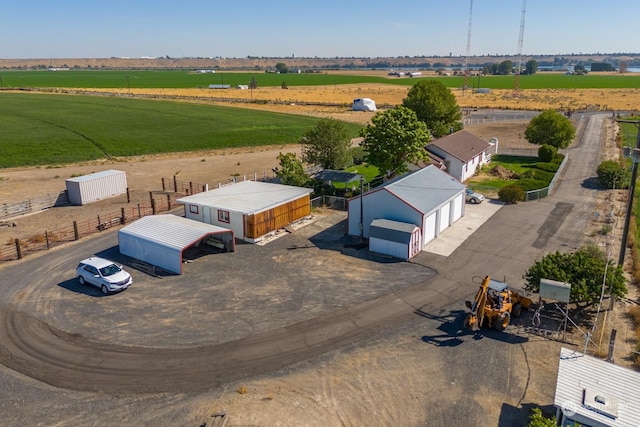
(393, 238)
(160, 240)
(96, 186)
(429, 198)
(252, 209)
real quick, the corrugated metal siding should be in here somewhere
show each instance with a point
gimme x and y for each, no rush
(160, 239)
(426, 189)
(261, 223)
(248, 197)
(577, 372)
(96, 186)
(394, 231)
(387, 247)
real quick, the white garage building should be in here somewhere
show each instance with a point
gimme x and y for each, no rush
(428, 198)
(251, 209)
(160, 240)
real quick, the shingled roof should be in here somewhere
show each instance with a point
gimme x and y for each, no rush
(461, 145)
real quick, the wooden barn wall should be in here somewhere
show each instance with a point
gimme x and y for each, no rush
(273, 219)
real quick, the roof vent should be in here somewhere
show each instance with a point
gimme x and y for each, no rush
(600, 403)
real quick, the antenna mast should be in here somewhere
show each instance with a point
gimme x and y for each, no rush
(466, 61)
(516, 88)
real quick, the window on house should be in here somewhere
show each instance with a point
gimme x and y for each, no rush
(193, 209)
(223, 216)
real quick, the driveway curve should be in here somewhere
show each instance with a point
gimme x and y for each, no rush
(504, 246)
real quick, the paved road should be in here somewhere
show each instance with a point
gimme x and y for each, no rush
(505, 246)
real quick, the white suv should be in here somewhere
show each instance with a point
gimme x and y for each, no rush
(104, 274)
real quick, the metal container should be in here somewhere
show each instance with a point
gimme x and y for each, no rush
(96, 186)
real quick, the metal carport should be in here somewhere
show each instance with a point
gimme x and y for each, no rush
(160, 240)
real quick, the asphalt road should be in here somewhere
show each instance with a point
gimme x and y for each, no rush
(40, 341)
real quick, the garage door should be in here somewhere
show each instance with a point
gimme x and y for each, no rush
(444, 216)
(429, 228)
(458, 202)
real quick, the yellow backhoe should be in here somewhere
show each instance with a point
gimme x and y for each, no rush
(494, 306)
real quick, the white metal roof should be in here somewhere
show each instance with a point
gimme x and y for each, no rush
(425, 189)
(95, 175)
(247, 197)
(170, 230)
(580, 376)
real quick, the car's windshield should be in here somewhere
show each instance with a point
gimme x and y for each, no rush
(109, 270)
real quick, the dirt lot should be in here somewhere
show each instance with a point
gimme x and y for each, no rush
(384, 380)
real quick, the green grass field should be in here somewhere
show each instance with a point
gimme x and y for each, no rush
(56, 129)
(186, 79)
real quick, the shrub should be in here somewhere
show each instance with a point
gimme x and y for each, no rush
(547, 166)
(528, 184)
(358, 155)
(547, 152)
(558, 159)
(511, 193)
(611, 174)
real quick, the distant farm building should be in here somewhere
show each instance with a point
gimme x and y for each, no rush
(205, 71)
(253, 210)
(364, 104)
(219, 86)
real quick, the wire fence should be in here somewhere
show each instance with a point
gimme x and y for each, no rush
(159, 201)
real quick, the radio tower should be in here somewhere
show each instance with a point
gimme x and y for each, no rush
(466, 60)
(516, 86)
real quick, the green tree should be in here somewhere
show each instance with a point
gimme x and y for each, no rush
(253, 84)
(531, 66)
(505, 67)
(291, 171)
(611, 174)
(436, 106)
(550, 127)
(584, 269)
(579, 69)
(282, 68)
(536, 419)
(546, 153)
(327, 145)
(394, 139)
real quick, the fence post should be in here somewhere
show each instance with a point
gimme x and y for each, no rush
(123, 219)
(151, 196)
(168, 202)
(18, 251)
(128, 196)
(76, 235)
(46, 238)
(139, 214)
(190, 187)
(99, 224)
(153, 206)
(163, 187)
(175, 184)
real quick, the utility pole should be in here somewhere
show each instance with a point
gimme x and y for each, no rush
(635, 157)
(361, 209)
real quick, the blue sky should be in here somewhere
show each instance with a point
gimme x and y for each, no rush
(328, 28)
